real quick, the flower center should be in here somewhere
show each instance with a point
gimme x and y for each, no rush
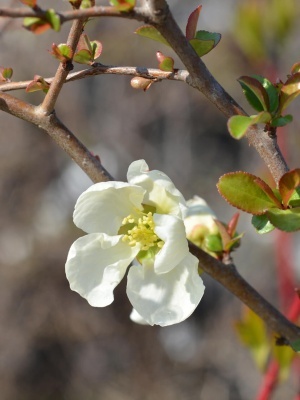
(141, 230)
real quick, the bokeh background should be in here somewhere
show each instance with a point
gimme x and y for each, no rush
(53, 345)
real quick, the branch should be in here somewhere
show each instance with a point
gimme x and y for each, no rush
(89, 163)
(63, 70)
(100, 69)
(229, 277)
(201, 79)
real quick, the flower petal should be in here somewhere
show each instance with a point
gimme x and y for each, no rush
(165, 299)
(102, 207)
(95, 265)
(135, 317)
(172, 231)
(160, 190)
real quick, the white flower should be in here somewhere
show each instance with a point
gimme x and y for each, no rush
(142, 221)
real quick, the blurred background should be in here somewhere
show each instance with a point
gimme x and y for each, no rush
(53, 345)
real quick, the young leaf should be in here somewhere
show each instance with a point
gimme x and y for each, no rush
(246, 192)
(38, 83)
(5, 74)
(239, 124)
(253, 333)
(202, 47)
(151, 33)
(272, 92)
(123, 5)
(282, 121)
(191, 25)
(36, 25)
(262, 224)
(285, 220)
(53, 19)
(29, 3)
(205, 35)
(255, 93)
(165, 63)
(296, 345)
(287, 185)
(96, 49)
(83, 56)
(295, 68)
(62, 52)
(285, 356)
(289, 91)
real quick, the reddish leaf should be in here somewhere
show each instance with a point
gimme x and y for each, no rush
(191, 25)
(165, 63)
(36, 25)
(255, 93)
(62, 52)
(38, 83)
(29, 3)
(232, 224)
(289, 91)
(287, 185)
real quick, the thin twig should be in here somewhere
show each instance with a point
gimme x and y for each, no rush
(63, 70)
(100, 69)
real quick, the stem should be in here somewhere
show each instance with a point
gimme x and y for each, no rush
(63, 70)
(228, 276)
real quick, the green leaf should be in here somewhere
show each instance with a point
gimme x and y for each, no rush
(285, 220)
(253, 333)
(296, 345)
(272, 92)
(262, 224)
(285, 356)
(151, 33)
(123, 5)
(191, 25)
(247, 192)
(289, 91)
(5, 74)
(239, 124)
(53, 19)
(255, 93)
(83, 56)
(213, 243)
(96, 49)
(62, 52)
(295, 198)
(282, 120)
(202, 47)
(287, 185)
(205, 35)
(165, 63)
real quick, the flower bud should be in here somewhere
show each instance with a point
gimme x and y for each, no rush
(199, 222)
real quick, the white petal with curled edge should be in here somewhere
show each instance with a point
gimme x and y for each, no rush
(102, 207)
(172, 231)
(96, 264)
(165, 299)
(160, 190)
(135, 317)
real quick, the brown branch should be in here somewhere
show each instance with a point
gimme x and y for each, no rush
(201, 79)
(89, 163)
(63, 70)
(100, 69)
(229, 277)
